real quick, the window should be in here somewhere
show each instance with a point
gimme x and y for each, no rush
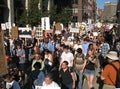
(75, 10)
(75, 18)
(75, 1)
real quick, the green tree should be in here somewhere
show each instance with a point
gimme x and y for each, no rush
(64, 16)
(33, 15)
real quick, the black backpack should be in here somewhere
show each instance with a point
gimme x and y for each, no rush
(117, 85)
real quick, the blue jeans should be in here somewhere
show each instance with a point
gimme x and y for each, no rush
(79, 79)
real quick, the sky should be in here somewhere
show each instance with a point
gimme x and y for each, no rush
(100, 3)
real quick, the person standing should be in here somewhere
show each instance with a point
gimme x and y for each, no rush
(79, 65)
(38, 59)
(10, 82)
(67, 76)
(85, 46)
(104, 47)
(108, 74)
(20, 53)
(48, 81)
(90, 68)
(67, 56)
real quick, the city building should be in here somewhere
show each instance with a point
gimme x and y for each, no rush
(84, 10)
(109, 11)
(118, 16)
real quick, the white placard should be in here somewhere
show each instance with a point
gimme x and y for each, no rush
(74, 30)
(95, 34)
(8, 25)
(45, 23)
(3, 26)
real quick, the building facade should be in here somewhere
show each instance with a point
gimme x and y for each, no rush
(84, 10)
(109, 11)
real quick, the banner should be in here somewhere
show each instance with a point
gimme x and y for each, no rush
(3, 62)
(24, 32)
(74, 30)
(45, 23)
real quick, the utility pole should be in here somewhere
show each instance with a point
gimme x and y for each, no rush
(10, 4)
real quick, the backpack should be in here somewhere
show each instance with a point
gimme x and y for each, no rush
(117, 85)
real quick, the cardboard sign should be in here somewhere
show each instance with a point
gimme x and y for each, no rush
(14, 32)
(58, 26)
(3, 62)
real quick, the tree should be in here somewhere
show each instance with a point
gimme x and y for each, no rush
(33, 15)
(64, 16)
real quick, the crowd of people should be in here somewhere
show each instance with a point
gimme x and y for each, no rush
(62, 60)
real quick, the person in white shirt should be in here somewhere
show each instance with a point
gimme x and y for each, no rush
(77, 45)
(67, 56)
(48, 82)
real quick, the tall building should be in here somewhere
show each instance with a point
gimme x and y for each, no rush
(118, 16)
(77, 10)
(109, 11)
(84, 10)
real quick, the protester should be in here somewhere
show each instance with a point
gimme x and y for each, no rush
(36, 76)
(20, 53)
(67, 56)
(67, 76)
(10, 82)
(109, 73)
(48, 60)
(48, 82)
(46, 45)
(38, 59)
(90, 68)
(85, 46)
(104, 47)
(79, 65)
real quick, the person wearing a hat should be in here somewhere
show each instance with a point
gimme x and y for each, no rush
(108, 74)
(79, 64)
